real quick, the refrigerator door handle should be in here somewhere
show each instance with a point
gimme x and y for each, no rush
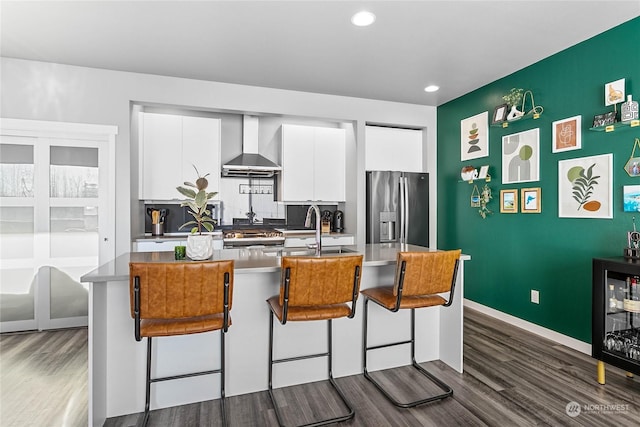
(406, 210)
(402, 212)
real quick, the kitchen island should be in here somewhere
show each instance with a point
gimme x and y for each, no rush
(117, 361)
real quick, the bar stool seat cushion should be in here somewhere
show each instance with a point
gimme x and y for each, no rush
(190, 325)
(384, 295)
(303, 313)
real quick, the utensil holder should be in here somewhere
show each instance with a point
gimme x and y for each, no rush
(157, 229)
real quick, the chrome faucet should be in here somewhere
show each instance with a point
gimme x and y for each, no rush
(307, 223)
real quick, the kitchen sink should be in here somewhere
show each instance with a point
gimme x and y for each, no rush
(330, 250)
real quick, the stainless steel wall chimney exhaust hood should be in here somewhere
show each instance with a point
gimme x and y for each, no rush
(250, 163)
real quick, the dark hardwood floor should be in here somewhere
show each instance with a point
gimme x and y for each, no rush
(511, 378)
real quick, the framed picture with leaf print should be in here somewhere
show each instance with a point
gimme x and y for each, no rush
(585, 187)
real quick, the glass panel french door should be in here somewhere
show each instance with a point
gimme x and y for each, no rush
(53, 197)
(17, 233)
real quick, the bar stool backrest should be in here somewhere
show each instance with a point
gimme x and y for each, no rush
(320, 280)
(177, 290)
(426, 273)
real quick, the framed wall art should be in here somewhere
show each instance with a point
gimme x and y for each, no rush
(585, 187)
(531, 199)
(614, 92)
(500, 114)
(632, 167)
(567, 134)
(521, 157)
(484, 172)
(474, 137)
(508, 201)
(604, 119)
(631, 198)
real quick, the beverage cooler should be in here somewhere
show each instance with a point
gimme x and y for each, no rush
(616, 314)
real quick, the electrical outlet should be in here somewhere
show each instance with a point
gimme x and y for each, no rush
(535, 296)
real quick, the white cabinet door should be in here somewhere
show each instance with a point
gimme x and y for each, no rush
(170, 145)
(157, 246)
(329, 165)
(337, 240)
(161, 155)
(297, 163)
(201, 148)
(393, 149)
(298, 242)
(313, 164)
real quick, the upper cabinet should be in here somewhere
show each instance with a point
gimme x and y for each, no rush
(170, 146)
(393, 149)
(313, 164)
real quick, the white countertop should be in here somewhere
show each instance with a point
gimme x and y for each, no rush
(249, 260)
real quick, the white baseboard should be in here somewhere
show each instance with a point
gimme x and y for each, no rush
(565, 340)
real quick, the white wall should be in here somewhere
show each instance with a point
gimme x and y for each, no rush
(46, 91)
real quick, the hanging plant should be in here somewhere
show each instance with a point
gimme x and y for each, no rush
(485, 197)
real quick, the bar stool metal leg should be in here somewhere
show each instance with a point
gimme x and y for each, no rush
(222, 367)
(365, 348)
(328, 354)
(147, 398)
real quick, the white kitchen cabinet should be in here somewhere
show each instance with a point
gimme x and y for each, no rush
(393, 149)
(201, 148)
(167, 245)
(297, 163)
(313, 164)
(327, 240)
(170, 145)
(335, 240)
(329, 165)
(160, 146)
(157, 245)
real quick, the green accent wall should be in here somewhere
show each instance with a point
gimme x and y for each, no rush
(514, 253)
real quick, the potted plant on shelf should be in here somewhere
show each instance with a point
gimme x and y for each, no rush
(199, 246)
(514, 99)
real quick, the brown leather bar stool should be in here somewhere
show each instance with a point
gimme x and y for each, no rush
(420, 277)
(315, 288)
(180, 298)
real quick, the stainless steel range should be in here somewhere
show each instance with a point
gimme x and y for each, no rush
(243, 237)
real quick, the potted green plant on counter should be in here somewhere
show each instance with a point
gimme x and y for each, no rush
(199, 246)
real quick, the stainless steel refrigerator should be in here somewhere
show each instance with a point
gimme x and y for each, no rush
(398, 207)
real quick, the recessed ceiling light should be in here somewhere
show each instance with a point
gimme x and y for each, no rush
(363, 18)
(431, 88)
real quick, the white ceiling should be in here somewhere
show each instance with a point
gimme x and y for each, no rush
(310, 45)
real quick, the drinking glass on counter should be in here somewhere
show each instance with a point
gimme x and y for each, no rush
(180, 252)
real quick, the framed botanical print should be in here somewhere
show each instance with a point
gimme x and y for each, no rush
(585, 187)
